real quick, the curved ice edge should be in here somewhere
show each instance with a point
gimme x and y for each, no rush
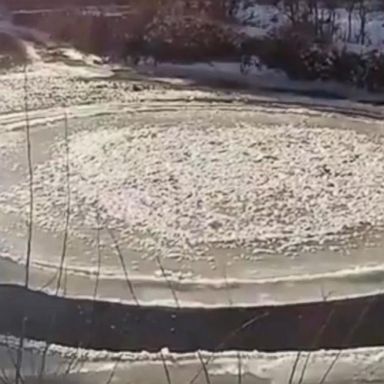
(360, 272)
(35, 346)
(275, 367)
(195, 304)
(197, 98)
(368, 272)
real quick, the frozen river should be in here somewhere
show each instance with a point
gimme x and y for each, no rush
(195, 200)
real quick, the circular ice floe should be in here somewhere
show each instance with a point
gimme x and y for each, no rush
(191, 185)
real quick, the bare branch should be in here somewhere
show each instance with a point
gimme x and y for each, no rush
(11, 359)
(315, 343)
(112, 375)
(43, 361)
(30, 179)
(166, 370)
(65, 241)
(294, 367)
(71, 364)
(230, 301)
(350, 334)
(19, 362)
(169, 283)
(229, 337)
(205, 368)
(239, 370)
(98, 271)
(20, 351)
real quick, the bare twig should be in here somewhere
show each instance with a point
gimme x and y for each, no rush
(20, 350)
(227, 285)
(43, 362)
(71, 364)
(169, 283)
(315, 343)
(68, 203)
(19, 362)
(350, 334)
(229, 337)
(166, 370)
(123, 265)
(30, 179)
(239, 369)
(65, 241)
(46, 350)
(65, 282)
(11, 359)
(294, 367)
(205, 368)
(98, 271)
(113, 372)
(3, 377)
(10, 352)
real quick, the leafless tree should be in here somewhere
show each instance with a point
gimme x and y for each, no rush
(351, 8)
(292, 10)
(363, 10)
(330, 21)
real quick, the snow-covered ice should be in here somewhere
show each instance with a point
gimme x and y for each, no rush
(361, 366)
